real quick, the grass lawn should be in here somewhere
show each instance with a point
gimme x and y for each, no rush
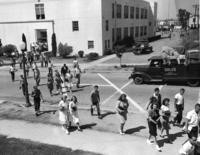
(12, 146)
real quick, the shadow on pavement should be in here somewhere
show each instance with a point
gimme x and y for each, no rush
(133, 130)
(107, 114)
(173, 137)
(47, 112)
(83, 127)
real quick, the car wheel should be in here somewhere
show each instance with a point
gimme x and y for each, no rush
(138, 80)
(193, 83)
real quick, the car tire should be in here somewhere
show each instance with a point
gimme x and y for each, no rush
(138, 80)
(193, 83)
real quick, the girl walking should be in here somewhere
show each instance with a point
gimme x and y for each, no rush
(73, 109)
(152, 120)
(165, 115)
(50, 82)
(122, 110)
(64, 113)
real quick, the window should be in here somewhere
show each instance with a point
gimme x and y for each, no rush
(137, 13)
(108, 44)
(107, 25)
(119, 34)
(149, 23)
(141, 30)
(145, 14)
(105, 44)
(132, 12)
(125, 32)
(119, 11)
(113, 10)
(90, 44)
(137, 31)
(126, 11)
(132, 32)
(142, 13)
(39, 11)
(75, 26)
(145, 30)
(113, 35)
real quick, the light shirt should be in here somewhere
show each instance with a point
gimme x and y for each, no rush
(12, 69)
(179, 98)
(164, 108)
(193, 118)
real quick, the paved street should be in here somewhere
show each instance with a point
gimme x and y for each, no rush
(102, 134)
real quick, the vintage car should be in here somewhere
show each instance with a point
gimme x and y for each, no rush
(142, 47)
(162, 70)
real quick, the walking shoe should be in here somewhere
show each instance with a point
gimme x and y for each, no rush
(67, 131)
(121, 133)
(79, 129)
(149, 142)
(158, 148)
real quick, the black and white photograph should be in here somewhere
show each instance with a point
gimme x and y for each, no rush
(99, 77)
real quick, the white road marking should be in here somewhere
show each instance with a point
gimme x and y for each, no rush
(100, 85)
(124, 86)
(130, 99)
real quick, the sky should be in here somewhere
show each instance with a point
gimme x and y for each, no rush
(168, 8)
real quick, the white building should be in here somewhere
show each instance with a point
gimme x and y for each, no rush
(88, 25)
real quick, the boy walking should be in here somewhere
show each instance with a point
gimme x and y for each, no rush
(95, 99)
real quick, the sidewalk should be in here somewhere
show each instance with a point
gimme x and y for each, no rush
(88, 140)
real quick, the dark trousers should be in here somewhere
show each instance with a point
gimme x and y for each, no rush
(12, 76)
(193, 132)
(179, 116)
(98, 108)
(37, 104)
(78, 77)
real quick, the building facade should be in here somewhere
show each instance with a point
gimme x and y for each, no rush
(88, 25)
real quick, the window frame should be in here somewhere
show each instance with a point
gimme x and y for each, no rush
(126, 11)
(119, 11)
(90, 44)
(75, 25)
(132, 12)
(39, 11)
(107, 25)
(137, 12)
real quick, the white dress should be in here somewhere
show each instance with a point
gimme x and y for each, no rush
(63, 114)
(74, 112)
(70, 82)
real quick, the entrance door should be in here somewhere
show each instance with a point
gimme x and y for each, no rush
(41, 39)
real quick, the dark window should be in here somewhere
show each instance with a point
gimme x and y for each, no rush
(125, 32)
(145, 30)
(113, 10)
(132, 12)
(108, 44)
(75, 26)
(113, 35)
(149, 23)
(141, 30)
(105, 44)
(107, 25)
(137, 13)
(119, 34)
(119, 11)
(90, 44)
(142, 13)
(132, 32)
(126, 11)
(145, 14)
(137, 31)
(39, 11)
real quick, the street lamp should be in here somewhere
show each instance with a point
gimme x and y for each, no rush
(23, 48)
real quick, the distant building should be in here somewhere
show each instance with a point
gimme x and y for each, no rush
(88, 25)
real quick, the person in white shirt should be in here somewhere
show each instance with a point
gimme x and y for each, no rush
(165, 115)
(12, 72)
(192, 122)
(64, 113)
(179, 106)
(77, 75)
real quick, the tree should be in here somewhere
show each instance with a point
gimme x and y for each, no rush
(24, 40)
(54, 44)
(64, 50)
(183, 17)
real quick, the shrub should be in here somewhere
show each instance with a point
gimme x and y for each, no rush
(92, 56)
(81, 54)
(9, 49)
(127, 41)
(64, 50)
(108, 52)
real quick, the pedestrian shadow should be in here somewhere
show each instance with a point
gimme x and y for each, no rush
(173, 137)
(47, 112)
(83, 86)
(107, 114)
(77, 90)
(134, 130)
(83, 127)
